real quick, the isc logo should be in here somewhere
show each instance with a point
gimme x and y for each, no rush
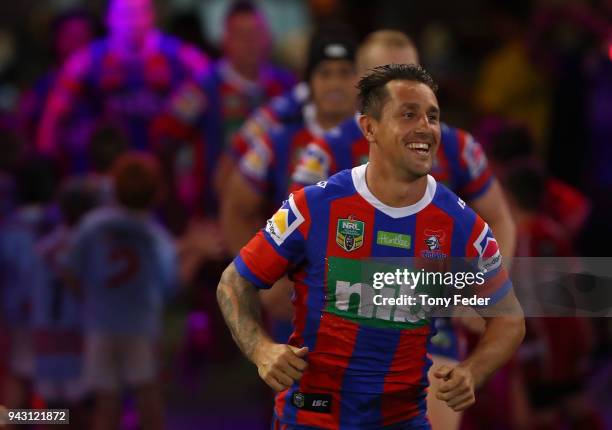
(320, 403)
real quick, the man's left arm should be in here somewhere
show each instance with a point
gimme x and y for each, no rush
(503, 334)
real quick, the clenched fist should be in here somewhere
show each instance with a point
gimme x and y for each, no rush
(457, 390)
(280, 365)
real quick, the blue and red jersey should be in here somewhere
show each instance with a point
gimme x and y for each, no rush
(367, 368)
(231, 99)
(460, 162)
(127, 267)
(271, 158)
(284, 109)
(102, 83)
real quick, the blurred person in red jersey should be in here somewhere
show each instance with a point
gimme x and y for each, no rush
(241, 81)
(555, 356)
(129, 77)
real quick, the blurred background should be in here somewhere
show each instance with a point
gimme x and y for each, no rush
(83, 84)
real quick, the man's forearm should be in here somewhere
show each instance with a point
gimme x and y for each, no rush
(240, 307)
(503, 334)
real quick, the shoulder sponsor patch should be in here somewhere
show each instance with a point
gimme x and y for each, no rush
(474, 157)
(284, 221)
(255, 162)
(313, 167)
(489, 257)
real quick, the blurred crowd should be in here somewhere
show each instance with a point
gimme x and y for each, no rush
(137, 157)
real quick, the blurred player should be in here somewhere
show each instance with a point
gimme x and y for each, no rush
(57, 317)
(460, 163)
(128, 78)
(556, 356)
(260, 182)
(125, 263)
(343, 368)
(70, 31)
(240, 82)
(36, 180)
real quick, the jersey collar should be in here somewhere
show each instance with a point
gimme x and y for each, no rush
(359, 181)
(235, 79)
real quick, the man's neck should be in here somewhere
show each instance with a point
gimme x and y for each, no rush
(392, 189)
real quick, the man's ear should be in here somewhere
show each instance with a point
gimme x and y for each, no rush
(368, 127)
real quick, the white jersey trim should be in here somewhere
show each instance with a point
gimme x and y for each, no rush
(359, 181)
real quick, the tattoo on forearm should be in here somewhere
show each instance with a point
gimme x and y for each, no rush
(239, 304)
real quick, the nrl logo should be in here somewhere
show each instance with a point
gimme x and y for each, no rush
(349, 233)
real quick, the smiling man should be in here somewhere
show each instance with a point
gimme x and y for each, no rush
(343, 368)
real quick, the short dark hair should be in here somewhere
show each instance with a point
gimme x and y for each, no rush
(241, 7)
(372, 87)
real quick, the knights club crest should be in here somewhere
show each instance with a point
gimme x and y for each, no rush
(349, 233)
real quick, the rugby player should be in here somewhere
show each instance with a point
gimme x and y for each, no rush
(342, 369)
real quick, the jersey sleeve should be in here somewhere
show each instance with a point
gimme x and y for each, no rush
(485, 257)
(63, 96)
(256, 162)
(314, 166)
(474, 174)
(279, 247)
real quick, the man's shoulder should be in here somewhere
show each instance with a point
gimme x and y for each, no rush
(337, 186)
(454, 206)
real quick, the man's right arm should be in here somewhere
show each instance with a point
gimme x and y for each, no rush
(241, 212)
(279, 365)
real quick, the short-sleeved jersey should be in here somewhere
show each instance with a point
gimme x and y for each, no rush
(196, 131)
(365, 370)
(18, 237)
(460, 162)
(284, 109)
(231, 99)
(56, 310)
(101, 83)
(126, 265)
(271, 158)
